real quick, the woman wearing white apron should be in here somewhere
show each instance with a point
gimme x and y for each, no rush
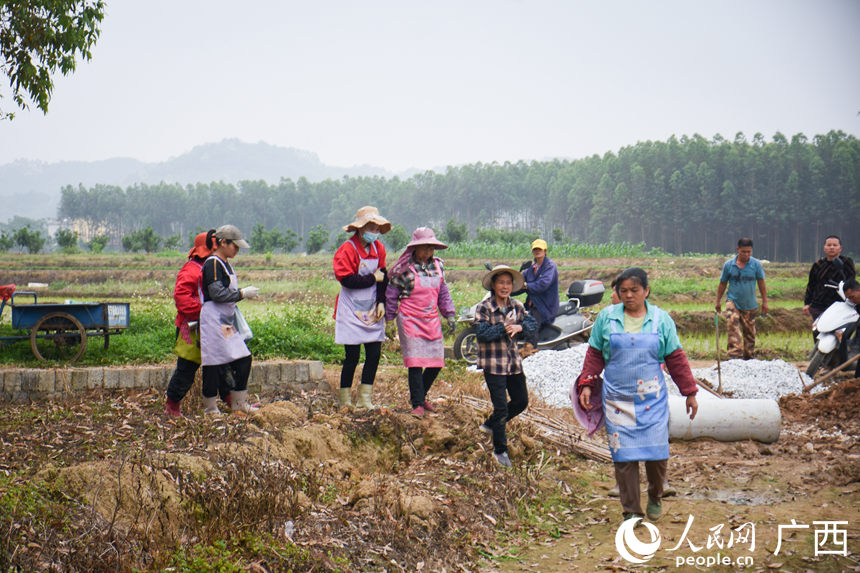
(221, 345)
(628, 343)
(359, 266)
(417, 286)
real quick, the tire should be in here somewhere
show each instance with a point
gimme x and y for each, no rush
(816, 362)
(466, 346)
(58, 337)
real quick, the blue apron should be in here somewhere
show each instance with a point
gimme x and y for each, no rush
(635, 401)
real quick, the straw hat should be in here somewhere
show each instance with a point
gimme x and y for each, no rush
(367, 215)
(425, 236)
(487, 281)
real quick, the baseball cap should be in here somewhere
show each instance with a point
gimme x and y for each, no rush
(231, 233)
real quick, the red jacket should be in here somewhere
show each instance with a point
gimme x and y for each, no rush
(347, 259)
(186, 294)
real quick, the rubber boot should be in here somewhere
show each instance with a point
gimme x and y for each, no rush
(210, 406)
(343, 396)
(172, 410)
(364, 393)
(239, 402)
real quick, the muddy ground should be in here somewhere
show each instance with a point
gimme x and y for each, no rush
(812, 473)
(381, 491)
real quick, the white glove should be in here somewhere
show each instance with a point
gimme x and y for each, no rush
(250, 292)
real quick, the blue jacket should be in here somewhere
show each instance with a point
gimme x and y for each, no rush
(542, 289)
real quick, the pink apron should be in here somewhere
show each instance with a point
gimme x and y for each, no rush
(355, 321)
(419, 325)
(220, 342)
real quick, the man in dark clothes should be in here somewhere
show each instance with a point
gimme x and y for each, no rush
(829, 269)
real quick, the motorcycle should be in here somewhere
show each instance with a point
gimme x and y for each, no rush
(833, 328)
(569, 328)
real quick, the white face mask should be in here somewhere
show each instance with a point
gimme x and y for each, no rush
(369, 237)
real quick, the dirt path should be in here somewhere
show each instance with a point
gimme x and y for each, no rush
(811, 474)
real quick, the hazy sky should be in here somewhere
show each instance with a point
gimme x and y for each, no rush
(401, 84)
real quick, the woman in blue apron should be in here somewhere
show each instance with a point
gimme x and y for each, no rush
(628, 343)
(222, 345)
(359, 266)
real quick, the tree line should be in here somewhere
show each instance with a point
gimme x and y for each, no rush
(682, 195)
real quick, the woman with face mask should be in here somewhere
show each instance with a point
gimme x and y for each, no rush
(359, 266)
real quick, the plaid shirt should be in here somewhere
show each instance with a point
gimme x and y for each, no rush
(405, 282)
(497, 352)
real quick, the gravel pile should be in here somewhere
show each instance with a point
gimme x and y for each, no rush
(757, 378)
(550, 375)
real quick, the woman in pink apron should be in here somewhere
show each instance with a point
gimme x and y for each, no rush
(628, 343)
(417, 286)
(359, 266)
(222, 346)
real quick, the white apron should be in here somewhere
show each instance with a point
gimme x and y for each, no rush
(220, 342)
(355, 321)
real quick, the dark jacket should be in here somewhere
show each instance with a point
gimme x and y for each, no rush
(824, 272)
(542, 290)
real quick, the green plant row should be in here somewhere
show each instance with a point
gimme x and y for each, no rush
(522, 251)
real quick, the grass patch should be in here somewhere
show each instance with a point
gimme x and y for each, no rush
(789, 346)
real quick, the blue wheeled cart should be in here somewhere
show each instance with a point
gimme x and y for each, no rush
(58, 332)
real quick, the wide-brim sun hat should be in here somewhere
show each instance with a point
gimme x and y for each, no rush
(200, 249)
(365, 215)
(519, 281)
(425, 236)
(231, 233)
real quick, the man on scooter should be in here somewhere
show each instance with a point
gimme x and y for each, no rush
(830, 269)
(541, 288)
(851, 288)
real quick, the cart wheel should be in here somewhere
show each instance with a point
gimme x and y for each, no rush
(58, 337)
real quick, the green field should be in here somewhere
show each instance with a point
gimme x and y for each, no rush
(292, 317)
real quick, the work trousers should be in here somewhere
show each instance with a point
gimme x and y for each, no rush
(627, 477)
(420, 380)
(352, 352)
(183, 378)
(214, 376)
(740, 345)
(500, 386)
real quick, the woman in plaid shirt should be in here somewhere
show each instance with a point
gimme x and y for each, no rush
(499, 322)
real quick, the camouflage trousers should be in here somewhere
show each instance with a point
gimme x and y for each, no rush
(740, 346)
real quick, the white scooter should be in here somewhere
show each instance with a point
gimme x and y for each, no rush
(830, 327)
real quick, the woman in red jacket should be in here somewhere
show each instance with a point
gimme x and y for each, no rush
(186, 296)
(359, 266)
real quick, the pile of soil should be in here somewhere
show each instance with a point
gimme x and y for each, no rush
(837, 407)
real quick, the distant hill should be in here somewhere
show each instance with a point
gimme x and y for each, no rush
(32, 188)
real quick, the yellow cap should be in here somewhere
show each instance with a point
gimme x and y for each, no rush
(539, 244)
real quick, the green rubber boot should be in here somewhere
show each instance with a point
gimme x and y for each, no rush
(364, 393)
(343, 396)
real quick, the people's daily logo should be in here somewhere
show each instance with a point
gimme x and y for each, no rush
(629, 546)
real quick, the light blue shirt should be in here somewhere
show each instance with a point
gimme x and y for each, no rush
(742, 282)
(669, 341)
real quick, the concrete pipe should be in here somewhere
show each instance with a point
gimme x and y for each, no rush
(726, 420)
